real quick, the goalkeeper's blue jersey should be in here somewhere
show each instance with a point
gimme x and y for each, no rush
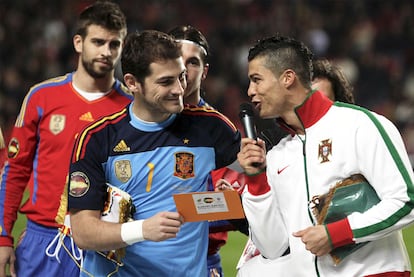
(151, 162)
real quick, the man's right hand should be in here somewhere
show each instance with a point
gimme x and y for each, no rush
(7, 257)
(162, 226)
(252, 153)
(252, 158)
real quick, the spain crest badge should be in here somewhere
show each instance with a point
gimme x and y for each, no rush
(184, 165)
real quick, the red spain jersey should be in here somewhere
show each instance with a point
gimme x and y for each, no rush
(40, 146)
(2, 148)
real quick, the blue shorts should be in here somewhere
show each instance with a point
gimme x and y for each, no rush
(214, 265)
(31, 258)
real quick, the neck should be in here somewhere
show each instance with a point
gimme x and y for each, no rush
(145, 114)
(86, 82)
(292, 122)
(193, 99)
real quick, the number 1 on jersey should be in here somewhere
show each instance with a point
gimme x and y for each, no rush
(150, 175)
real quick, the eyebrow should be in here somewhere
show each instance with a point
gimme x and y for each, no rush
(169, 77)
(164, 79)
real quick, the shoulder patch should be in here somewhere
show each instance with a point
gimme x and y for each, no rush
(13, 149)
(79, 184)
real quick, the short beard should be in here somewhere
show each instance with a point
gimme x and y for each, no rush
(94, 73)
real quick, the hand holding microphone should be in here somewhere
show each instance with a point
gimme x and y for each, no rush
(247, 119)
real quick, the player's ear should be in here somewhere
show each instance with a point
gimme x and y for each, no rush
(205, 71)
(288, 77)
(77, 43)
(132, 83)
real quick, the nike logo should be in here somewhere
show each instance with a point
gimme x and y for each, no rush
(280, 170)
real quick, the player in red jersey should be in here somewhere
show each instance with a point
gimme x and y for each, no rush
(2, 147)
(52, 114)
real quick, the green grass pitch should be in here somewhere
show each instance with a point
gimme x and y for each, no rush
(231, 251)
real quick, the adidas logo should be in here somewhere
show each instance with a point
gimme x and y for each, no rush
(86, 117)
(121, 147)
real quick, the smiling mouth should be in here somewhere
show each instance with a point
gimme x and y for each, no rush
(174, 100)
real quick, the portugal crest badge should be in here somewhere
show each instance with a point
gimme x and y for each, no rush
(325, 150)
(184, 165)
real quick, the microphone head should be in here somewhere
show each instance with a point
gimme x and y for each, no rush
(246, 109)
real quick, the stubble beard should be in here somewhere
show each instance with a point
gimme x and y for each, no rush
(96, 73)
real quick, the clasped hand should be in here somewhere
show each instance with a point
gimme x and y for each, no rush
(315, 239)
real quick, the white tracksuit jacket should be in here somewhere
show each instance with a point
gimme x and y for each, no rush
(340, 140)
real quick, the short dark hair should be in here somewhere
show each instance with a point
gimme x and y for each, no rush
(102, 13)
(283, 53)
(191, 33)
(142, 49)
(343, 91)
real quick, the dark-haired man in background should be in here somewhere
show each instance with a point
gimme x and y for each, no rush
(52, 114)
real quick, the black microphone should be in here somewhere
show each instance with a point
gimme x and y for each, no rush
(247, 118)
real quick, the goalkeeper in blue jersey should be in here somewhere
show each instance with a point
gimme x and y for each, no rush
(152, 149)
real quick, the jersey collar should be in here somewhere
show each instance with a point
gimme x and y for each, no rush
(315, 106)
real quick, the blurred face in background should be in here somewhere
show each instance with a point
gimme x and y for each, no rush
(196, 70)
(324, 86)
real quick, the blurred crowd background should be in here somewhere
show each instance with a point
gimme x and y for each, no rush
(371, 40)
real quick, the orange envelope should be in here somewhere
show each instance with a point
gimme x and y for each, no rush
(199, 206)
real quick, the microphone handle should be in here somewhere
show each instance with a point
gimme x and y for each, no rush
(250, 131)
(249, 128)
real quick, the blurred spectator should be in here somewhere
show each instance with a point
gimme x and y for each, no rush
(375, 43)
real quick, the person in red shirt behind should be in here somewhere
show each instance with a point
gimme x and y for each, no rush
(51, 116)
(2, 148)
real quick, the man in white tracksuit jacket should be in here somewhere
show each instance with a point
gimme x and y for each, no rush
(328, 142)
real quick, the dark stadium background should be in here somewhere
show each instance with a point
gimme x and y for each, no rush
(372, 41)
